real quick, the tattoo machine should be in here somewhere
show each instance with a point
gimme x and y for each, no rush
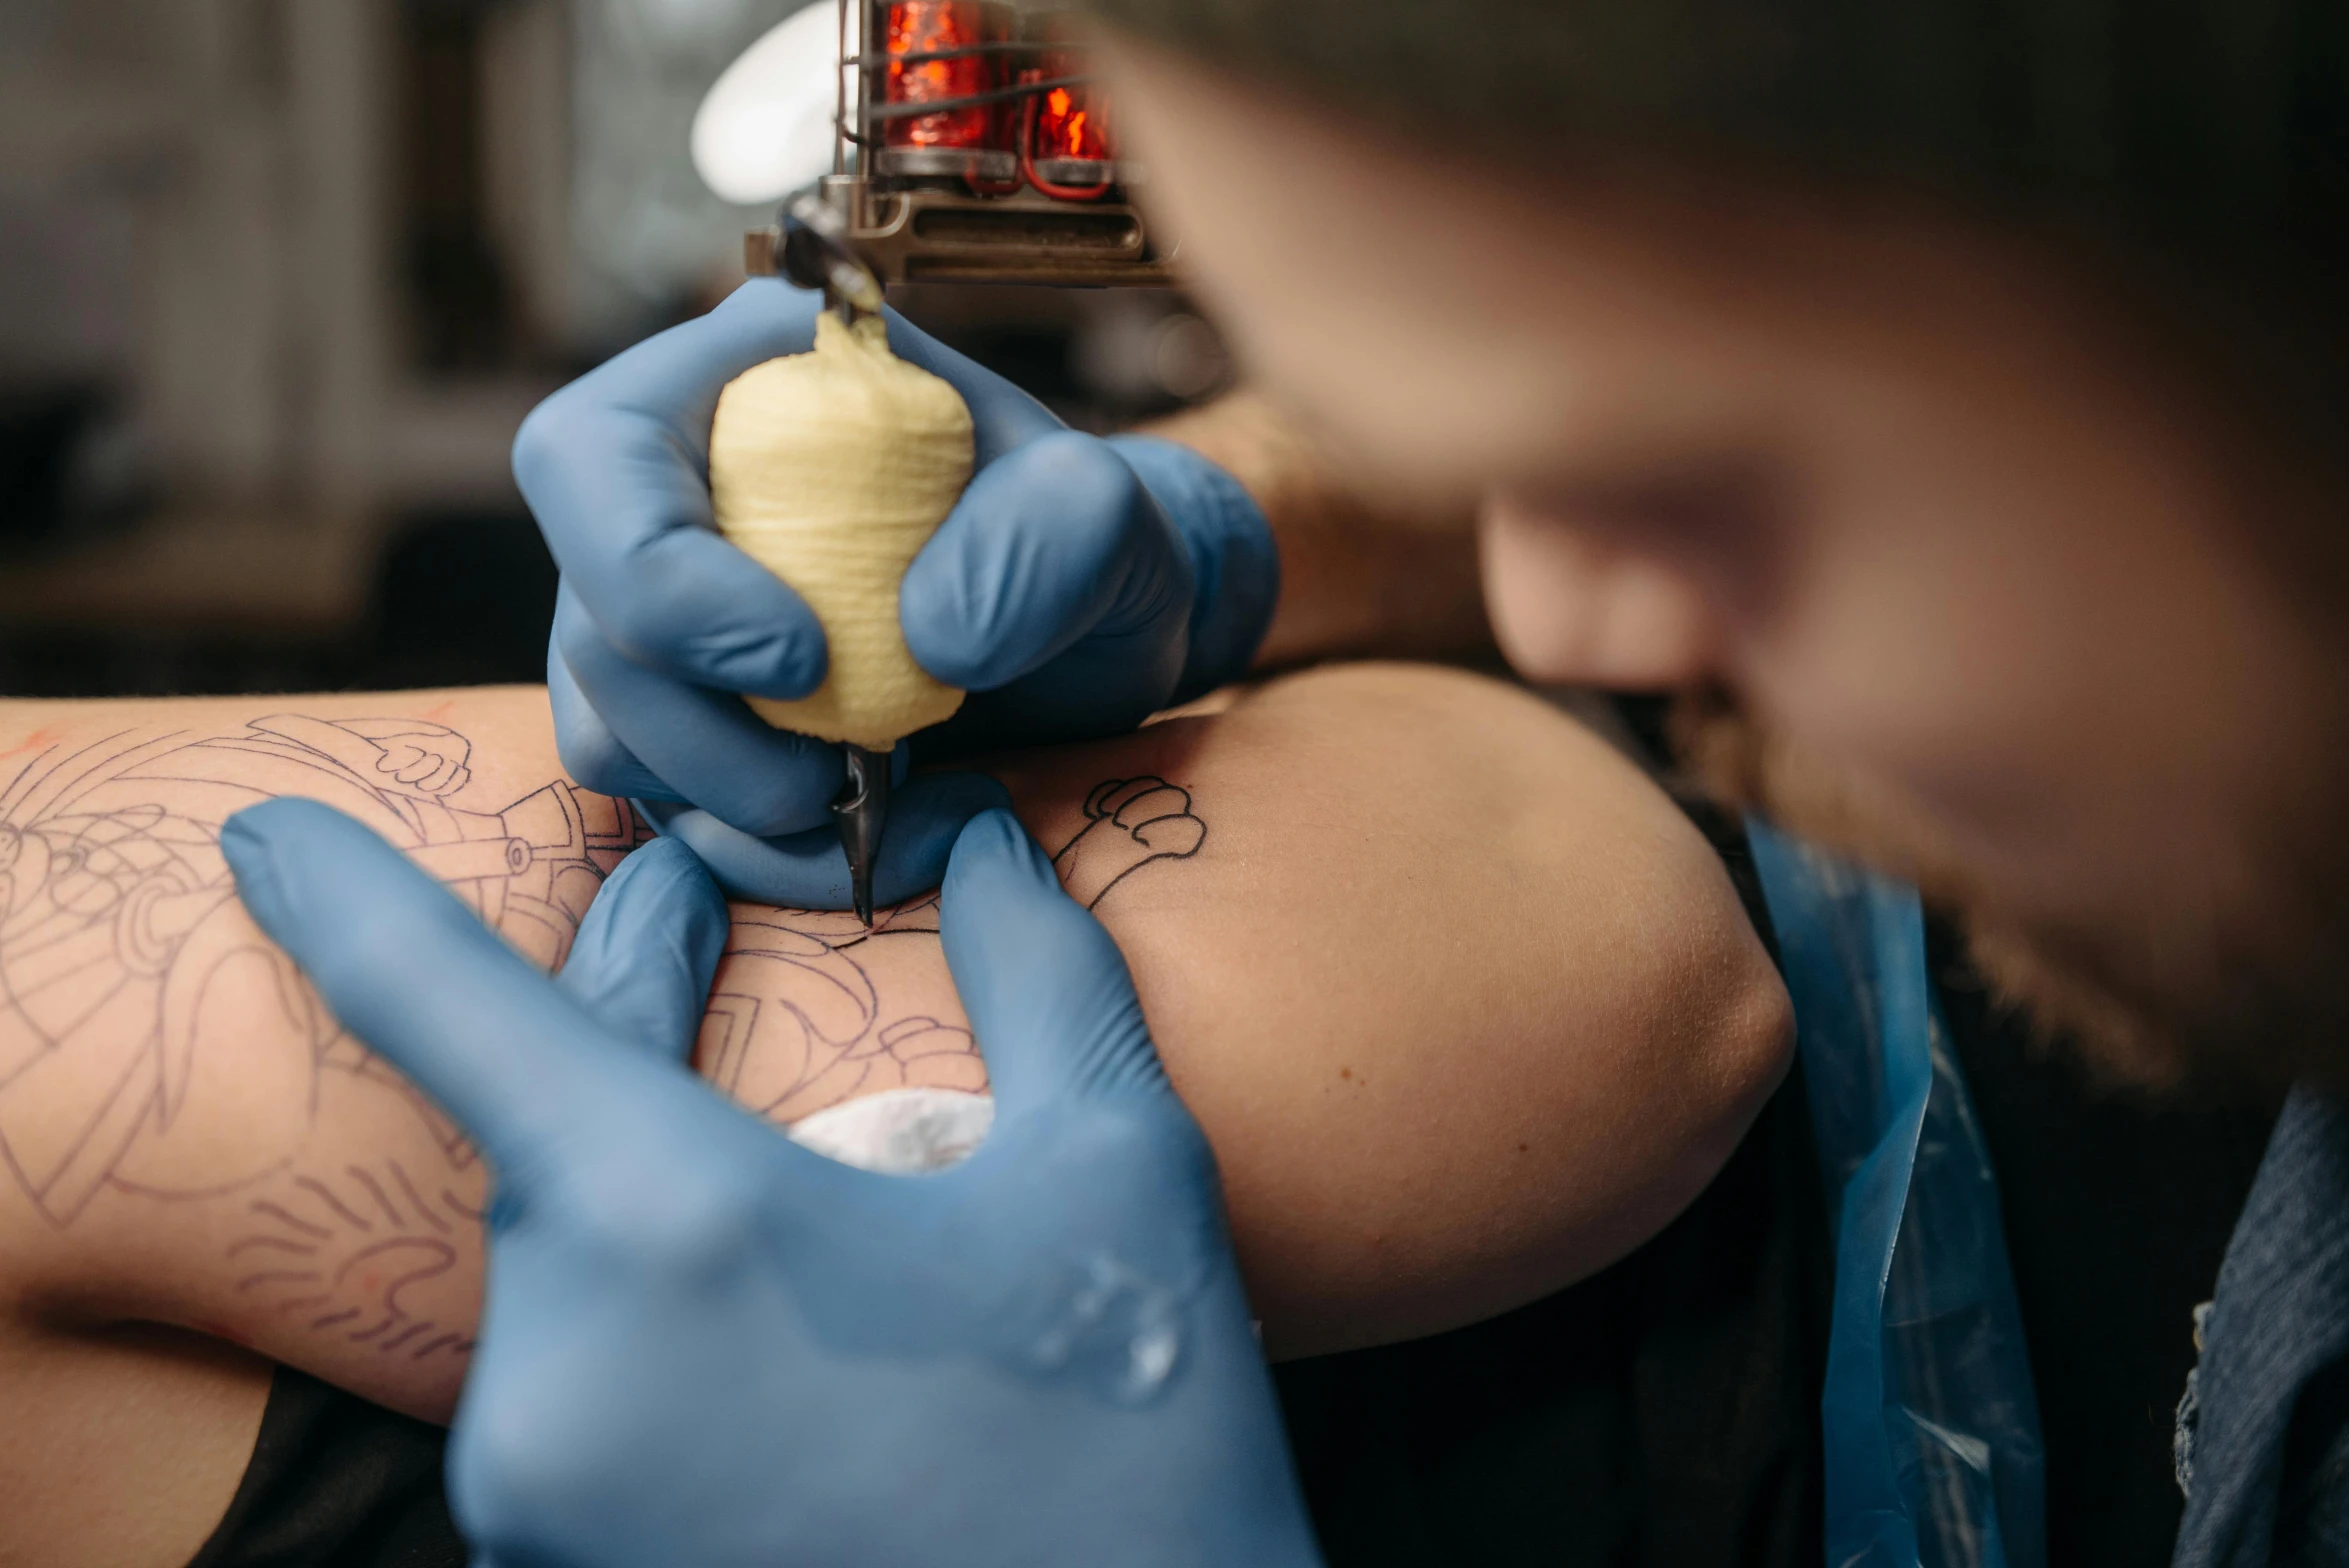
(971, 145)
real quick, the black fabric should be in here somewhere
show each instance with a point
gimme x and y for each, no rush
(2117, 1207)
(336, 1482)
(1665, 1411)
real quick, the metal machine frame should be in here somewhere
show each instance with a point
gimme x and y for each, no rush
(904, 219)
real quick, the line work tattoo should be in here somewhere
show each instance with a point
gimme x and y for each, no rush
(140, 1012)
(1129, 823)
(801, 1025)
(122, 949)
(339, 1270)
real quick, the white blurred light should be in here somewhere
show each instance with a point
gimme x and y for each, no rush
(765, 129)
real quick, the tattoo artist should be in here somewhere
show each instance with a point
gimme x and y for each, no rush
(1947, 399)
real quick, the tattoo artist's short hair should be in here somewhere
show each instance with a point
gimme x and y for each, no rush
(2228, 111)
(2196, 152)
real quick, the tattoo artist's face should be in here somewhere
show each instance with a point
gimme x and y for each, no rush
(1955, 574)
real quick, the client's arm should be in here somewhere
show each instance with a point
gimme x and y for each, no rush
(1465, 1007)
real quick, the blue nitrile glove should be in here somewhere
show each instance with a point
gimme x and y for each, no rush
(1077, 587)
(705, 1345)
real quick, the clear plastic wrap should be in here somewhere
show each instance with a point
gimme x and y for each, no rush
(1931, 1426)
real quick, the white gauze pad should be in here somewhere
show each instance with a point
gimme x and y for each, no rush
(900, 1132)
(832, 469)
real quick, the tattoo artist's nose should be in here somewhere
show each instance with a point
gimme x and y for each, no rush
(1569, 605)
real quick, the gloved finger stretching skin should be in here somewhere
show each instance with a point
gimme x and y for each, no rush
(1050, 1001)
(648, 947)
(361, 921)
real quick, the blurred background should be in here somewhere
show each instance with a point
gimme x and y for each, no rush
(280, 278)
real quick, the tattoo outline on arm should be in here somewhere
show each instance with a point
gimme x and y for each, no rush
(120, 935)
(797, 1023)
(350, 1254)
(119, 931)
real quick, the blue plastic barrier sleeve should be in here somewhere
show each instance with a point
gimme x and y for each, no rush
(1931, 1426)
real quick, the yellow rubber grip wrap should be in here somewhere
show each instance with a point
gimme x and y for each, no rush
(832, 469)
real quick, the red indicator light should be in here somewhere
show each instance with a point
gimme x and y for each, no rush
(1069, 124)
(921, 27)
(1066, 146)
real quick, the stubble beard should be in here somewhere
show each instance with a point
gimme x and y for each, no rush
(2248, 988)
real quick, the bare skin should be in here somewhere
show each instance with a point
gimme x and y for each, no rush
(1464, 1025)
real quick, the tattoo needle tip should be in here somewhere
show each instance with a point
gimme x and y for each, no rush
(863, 809)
